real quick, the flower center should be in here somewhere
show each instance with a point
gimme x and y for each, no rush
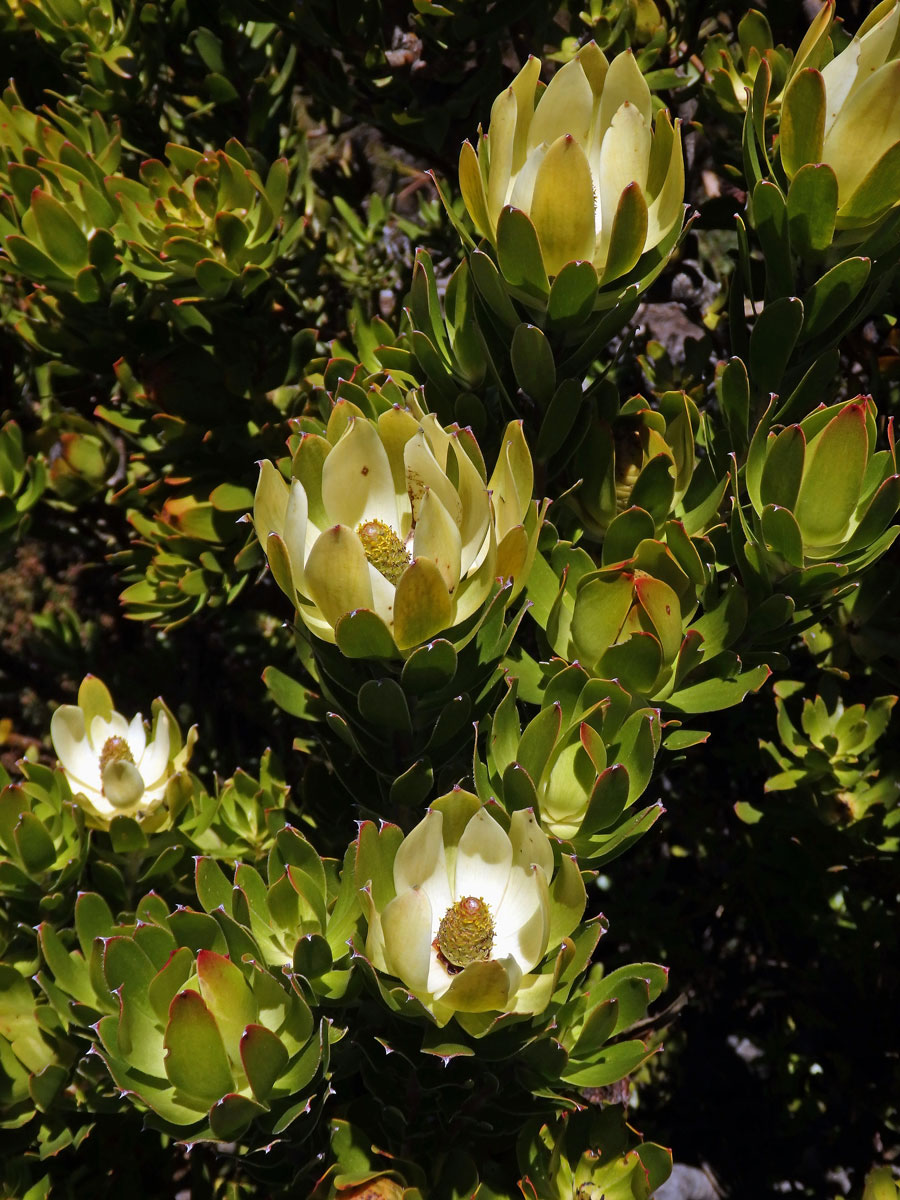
(383, 549)
(115, 749)
(466, 933)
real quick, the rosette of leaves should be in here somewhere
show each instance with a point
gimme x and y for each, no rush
(620, 24)
(91, 36)
(303, 912)
(207, 1043)
(633, 618)
(824, 207)
(200, 226)
(241, 816)
(831, 759)
(732, 66)
(841, 112)
(581, 763)
(35, 1054)
(23, 479)
(821, 501)
(593, 1024)
(43, 842)
(360, 1172)
(189, 555)
(590, 1155)
(82, 456)
(639, 458)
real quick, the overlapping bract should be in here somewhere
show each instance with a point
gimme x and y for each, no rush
(112, 766)
(846, 114)
(581, 763)
(821, 494)
(599, 180)
(395, 518)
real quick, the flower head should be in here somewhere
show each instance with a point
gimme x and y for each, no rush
(112, 766)
(393, 517)
(472, 913)
(583, 159)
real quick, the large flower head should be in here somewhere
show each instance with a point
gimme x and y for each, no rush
(472, 913)
(847, 115)
(116, 767)
(393, 519)
(599, 179)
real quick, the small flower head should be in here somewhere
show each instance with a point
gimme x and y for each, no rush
(113, 767)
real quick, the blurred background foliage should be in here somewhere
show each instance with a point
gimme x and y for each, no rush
(206, 211)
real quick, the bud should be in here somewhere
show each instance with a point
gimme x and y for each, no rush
(584, 160)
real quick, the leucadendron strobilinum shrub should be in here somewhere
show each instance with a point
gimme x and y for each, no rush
(593, 472)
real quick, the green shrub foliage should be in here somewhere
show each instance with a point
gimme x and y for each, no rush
(449, 599)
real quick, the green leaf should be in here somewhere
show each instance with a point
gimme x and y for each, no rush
(803, 121)
(833, 294)
(559, 420)
(573, 294)
(714, 694)
(733, 389)
(213, 886)
(532, 364)
(519, 254)
(382, 704)
(232, 1114)
(833, 478)
(430, 668)
(782, 534)
(289, 694)
(490, 284)
(63, 239)
(628, 236)
(32, 262)
(34, 843)
(782, 470)
(195, 1061)
(214, 277)
(93, 919)
(812, 202)
(410, 789)
(264, 1058)
(770, 219)
(611, 1065)
(518, 789)
(773, 340)
(363, 634)
(601, 607)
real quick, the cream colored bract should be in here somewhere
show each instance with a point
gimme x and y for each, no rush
(112, 766)
(576, 158)
(393, 517)
(460, 861)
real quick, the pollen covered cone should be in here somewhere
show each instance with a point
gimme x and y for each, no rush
(112, 766)
(393, 523)
(846, 115)
(600, 180)
(475, 911)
